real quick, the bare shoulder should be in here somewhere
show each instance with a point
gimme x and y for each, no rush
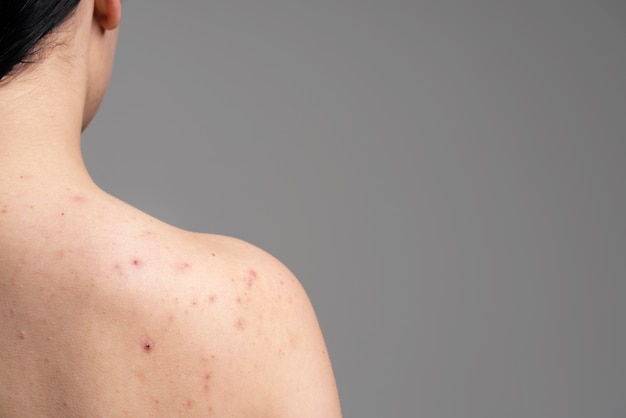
(133, 317)
(276, 342)
(233, 327)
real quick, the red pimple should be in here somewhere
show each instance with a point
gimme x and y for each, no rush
(148, 345)
(136, 262)
(212, 298)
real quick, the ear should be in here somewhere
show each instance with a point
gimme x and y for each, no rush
(108, 13)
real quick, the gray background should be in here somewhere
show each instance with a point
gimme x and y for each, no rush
(445, 177)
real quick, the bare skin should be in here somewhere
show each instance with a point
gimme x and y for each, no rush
(106, 311)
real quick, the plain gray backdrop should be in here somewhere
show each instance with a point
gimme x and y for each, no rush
(445, 177)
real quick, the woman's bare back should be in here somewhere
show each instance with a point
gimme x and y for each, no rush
(106, 311)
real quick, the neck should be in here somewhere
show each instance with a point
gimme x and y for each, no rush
(40, 127)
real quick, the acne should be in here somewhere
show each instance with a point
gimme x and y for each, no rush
(183, 266)
(240, 324)
(207, 378)
(118, 269)
(148, 345)
(251, 278)
(137, 262)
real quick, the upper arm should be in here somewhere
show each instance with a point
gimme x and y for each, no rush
(304, 385)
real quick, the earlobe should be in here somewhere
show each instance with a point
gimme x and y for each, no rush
(108, 13)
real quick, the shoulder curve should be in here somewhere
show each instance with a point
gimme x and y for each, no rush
(274, 314)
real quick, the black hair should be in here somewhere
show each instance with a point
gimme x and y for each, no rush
(23, 24)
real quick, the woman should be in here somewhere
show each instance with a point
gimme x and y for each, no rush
(105, 311)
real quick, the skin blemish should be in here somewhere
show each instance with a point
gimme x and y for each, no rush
(207, 378)
(21, 335)
(190, 403)
(148, 345)
(184, 266)
(136, 262)
(251, 278)
(118, 269)
(240, 324)
(212, 298)
(78, 198)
